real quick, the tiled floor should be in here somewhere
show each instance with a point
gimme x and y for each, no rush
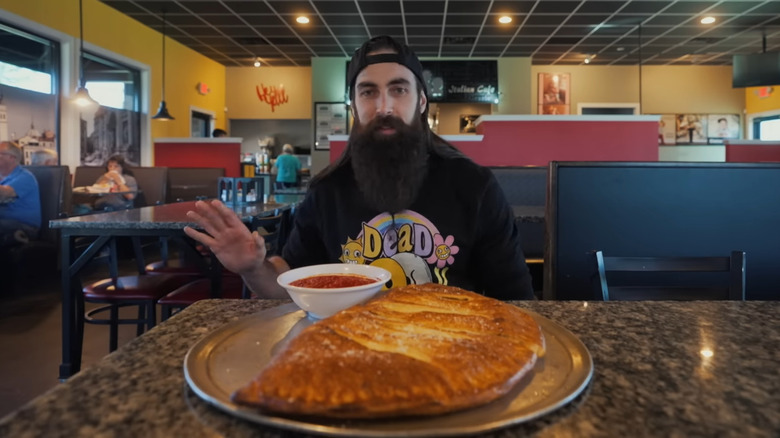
(30, 340)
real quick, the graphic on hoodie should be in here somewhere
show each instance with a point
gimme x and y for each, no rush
(407, 244)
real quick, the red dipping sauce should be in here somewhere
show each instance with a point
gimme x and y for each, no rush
(332, 281)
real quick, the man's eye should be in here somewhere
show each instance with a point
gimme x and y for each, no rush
(367, 93)
(399, 90)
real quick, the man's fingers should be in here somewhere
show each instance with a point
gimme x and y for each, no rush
(199, 237)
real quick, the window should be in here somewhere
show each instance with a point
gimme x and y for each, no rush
(767, 128)
(29, 77)
(113, 127)
(200, 124)
(28, 61)
(112, 84)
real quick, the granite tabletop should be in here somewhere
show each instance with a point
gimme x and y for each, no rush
(166, 216)
(670, 369)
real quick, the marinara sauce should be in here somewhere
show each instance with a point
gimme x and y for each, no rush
(332, 281)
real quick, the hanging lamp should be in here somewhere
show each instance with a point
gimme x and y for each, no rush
(82, 97)
(162, 112)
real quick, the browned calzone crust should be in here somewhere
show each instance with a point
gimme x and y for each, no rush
(417, 350)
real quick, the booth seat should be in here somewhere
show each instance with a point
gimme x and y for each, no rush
(40, 255)
(526, 186)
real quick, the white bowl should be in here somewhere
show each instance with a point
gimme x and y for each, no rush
(321, 303)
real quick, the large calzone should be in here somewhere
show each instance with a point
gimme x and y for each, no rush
(417, 350)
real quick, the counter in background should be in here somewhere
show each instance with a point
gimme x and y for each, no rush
(535, 140)
(223, 152)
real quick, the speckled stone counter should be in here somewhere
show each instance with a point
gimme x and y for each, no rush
(661, 369)
(165, 216)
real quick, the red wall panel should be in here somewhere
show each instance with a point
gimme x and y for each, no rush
(537, 140)
(199, 154)
(751, 152)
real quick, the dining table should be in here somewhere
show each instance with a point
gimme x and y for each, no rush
(658, 368)
(159, 221)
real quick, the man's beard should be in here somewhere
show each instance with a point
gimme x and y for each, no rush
(389, 169)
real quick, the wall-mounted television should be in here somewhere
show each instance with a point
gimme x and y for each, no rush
(756, 70)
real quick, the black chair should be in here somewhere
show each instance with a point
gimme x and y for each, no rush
(152, 185)
(141, 291)
(274, 230)
(232, 287)
(672, 278)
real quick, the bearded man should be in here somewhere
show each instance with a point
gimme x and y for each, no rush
(399, 196)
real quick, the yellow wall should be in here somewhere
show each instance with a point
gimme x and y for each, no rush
(756, 104)
(665, 89)
(242, 100)
(110, 30)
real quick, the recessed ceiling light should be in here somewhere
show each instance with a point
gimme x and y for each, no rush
(505, 19)
(257, 63)
(620, 49)
(302, 20)
(707, 20)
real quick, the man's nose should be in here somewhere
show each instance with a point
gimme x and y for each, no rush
(384, 105)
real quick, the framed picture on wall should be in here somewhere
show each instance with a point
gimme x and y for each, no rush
(667, 130)
(330, 118)
(467, 123)
(554, 93)
(691, 129)
(720, 126)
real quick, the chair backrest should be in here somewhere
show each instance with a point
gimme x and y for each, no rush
(272, 230)
(54, 187)
(522, 185)
(87, 175)
(672, 278)
(191, 183)
(153, 185)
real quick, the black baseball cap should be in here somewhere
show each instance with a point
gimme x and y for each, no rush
(404, 56)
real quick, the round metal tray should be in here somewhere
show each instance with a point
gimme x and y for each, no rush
(234, 354)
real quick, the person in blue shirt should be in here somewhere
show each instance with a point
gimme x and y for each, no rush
(287, 167)
(20, 202)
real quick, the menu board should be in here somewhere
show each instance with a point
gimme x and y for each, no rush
(330, 118)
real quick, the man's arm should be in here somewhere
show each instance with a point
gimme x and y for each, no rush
(499, 255)
(7, 192)
(237, 249)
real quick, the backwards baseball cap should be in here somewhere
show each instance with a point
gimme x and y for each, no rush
(404, 56)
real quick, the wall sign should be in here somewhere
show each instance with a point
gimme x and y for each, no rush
(460, 81)
(330, 118)
(203, 89)
(272, 95)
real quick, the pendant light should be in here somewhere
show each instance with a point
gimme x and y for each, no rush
(162, 112)
(82, 97)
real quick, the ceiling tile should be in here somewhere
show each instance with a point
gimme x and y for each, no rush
(563, 26)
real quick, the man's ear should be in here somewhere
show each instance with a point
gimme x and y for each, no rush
(423, 102)
(352, 110)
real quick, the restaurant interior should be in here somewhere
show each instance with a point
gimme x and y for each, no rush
(615, 129)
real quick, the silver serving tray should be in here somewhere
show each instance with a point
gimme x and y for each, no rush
(234, 354)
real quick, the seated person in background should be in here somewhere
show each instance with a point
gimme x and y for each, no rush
(399, 197)
(218, 133)
(44, 157)
(286, 168)
(119, 179)
(20, 219)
